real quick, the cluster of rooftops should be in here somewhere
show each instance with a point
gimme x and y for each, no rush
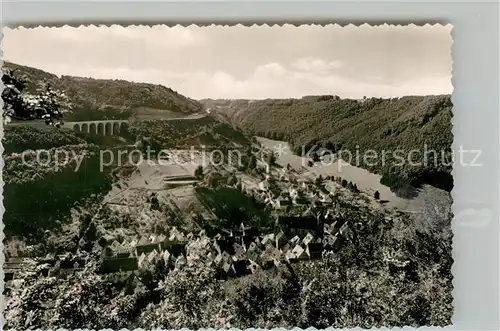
(234, 252)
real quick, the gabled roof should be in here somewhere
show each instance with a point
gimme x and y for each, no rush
(180, 260)
(289, 255)
(218, 259)
(330, 240)
(298, 250)
(160, 238)
(115, 244)
(166, 256)
(294, 240)
(226, 266)
(141, 259)
(252, 246)
(267, 238)
(239, 250)
(308, 238)
(143, 241)
(152, 256)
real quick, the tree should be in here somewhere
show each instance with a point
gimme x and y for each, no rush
(14, 104)
(319, 180)
(232, 180)
(376, 195)
(187, 293)
(252, 162)
(198, 173)
(271, 158)
(48, 105)
(145, 144)
(315, 157)
(213, 179)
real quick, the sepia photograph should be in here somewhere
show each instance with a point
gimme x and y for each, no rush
(228, 176)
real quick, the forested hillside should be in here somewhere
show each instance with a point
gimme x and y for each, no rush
(112, 97)
(22, 138)
(189, 132)
(406, 124)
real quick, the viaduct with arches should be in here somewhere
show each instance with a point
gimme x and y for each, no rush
(101, 128)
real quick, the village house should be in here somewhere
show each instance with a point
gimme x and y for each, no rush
(300, 253)
(226, 266)
(166, 257)
(293, 195)
(239, 252)
(266, 239)
(289, 256)
(307, 239)
(294, 241)
(346, 231)
(141, 261)
(264, 185)
(253, 254)
(280, 239)
(253, 266)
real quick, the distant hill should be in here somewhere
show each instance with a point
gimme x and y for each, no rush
(185, 133)
(108, 98)
(406, 123)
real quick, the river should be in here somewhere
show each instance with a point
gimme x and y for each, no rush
(427, 197)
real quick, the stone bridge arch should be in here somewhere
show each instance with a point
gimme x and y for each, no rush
(93, 128)
(102, 128)
(116, 127)
(108, 129)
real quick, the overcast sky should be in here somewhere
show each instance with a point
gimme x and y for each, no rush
(247, 62)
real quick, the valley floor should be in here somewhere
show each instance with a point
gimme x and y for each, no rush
(165, 202)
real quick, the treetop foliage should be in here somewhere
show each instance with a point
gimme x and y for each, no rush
(48, 104)
(107, 94)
